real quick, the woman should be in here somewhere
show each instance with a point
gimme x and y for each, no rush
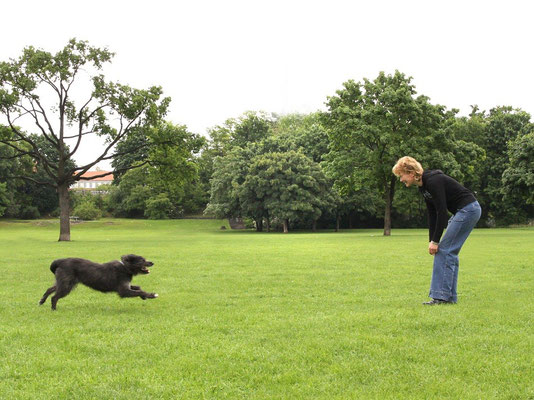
(442, 193)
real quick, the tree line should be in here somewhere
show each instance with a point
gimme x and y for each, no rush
(329, 168)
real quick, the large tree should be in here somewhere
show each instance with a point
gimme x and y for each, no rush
(288, 186)
(371, 125)
(227, 157)
(64, 98)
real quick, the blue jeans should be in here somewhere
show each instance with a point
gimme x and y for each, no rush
(446, 262)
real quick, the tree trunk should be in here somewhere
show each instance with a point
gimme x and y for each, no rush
(286, 225)
(268, 224)
(337, 223)
(314, 226)
(388, 197)
(259, 225)
(64, 213)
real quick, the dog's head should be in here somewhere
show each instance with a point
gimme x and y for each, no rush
(136, 264)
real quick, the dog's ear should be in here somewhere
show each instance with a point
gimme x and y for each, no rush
(129, 259)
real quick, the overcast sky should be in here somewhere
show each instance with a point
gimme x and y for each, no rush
(218, 59)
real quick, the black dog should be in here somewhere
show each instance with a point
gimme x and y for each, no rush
(114, 276)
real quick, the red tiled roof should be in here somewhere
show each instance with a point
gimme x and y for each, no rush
(89, 174)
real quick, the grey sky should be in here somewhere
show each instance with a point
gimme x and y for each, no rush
(217, 59)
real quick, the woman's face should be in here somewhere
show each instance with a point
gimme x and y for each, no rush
(408, 178)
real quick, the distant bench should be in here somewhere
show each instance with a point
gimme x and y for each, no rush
(74, 218)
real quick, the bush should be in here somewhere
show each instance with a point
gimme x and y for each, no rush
(158, 207)
(29, 212)
(87, 211)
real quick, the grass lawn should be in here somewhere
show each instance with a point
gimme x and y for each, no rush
(245, 315)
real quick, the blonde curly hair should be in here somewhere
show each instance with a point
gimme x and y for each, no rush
(407, 164)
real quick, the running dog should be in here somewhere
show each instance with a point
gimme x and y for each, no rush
(113, 276)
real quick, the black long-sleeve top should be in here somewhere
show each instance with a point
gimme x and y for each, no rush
(442, 193)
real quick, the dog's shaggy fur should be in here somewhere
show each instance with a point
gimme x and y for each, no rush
(114, 276)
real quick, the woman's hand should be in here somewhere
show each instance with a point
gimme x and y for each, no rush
(433, 248)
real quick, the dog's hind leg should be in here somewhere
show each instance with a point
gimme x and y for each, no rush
(63, 288)
(48, 292)
(60, 292)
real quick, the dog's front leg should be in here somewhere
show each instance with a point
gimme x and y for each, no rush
(127, 291)
(138, 288)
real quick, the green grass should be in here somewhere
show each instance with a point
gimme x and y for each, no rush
(243, 315)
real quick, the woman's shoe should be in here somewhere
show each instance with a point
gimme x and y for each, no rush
(435, 302)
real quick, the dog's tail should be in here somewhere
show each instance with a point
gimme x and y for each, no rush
(54, 266)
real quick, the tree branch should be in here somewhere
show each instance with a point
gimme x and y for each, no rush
(36, 154)
(48, 81)
(27, 178)
(33, 112)
(123, 131)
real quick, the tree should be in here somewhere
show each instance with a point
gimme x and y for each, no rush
(290, 148)
(504, 125)
(287, 186)
(468, 134)
(170, 153)
(65, 98)
(371, 125)
(14, 197)
(518, 178)
(230, 151)
(229, 173)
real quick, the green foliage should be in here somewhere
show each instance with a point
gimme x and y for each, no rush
(4, 200)
(135, 203)
(27, 184)
(129, 197)
(90, 205)
(29, 212)
(505, 124)
(518, 178)
(228, 175)
(158, 207)
(285, 186)
(170, 167)
(268, 175)
(251, 127)
(172, 156)
(87, 211)
(298, 132)
(131, 151)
